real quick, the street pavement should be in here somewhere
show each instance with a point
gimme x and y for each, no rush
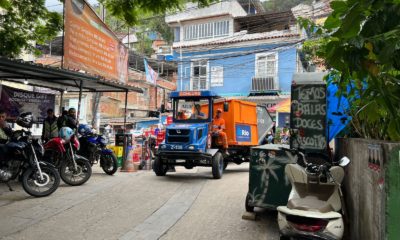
(187, 204)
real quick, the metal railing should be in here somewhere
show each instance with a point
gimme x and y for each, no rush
(263, 84)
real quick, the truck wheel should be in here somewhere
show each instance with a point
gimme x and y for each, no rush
(217, 165)
(158, 168)
(247, 205)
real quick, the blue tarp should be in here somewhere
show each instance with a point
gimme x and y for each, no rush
(337, 112)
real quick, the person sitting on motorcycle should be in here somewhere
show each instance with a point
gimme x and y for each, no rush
(62, 119)
(218, 127)
(5, 133)
(50, 129)
(71, 120)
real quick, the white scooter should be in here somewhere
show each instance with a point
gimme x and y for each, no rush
(315, 204)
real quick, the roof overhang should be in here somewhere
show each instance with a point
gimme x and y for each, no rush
(193, 94)
(19, 71)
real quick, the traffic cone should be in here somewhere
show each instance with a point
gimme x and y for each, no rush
(128, 163)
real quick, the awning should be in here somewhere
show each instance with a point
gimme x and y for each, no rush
(19, 71)
(283, 106)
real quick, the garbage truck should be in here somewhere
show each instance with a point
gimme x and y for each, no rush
(189, 141)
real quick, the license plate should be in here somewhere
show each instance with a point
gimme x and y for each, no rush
(176, 147)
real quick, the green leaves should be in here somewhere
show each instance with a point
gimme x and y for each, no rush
(25, 23)
(362, 45)
(6, 4)
(130, 11)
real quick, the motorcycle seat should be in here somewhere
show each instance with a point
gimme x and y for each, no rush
(15, 145)
(310, 203)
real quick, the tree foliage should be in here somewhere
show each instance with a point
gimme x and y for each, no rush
(131, 10)
(25, 23)
(361, 43)
(282, 5)
(158, 24)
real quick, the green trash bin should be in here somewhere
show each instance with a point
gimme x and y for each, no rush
(268, 185)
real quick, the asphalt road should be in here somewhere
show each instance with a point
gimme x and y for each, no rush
(187, 204)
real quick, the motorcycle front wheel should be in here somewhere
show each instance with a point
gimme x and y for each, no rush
(40, 187)
(109, 163)
(78, 176)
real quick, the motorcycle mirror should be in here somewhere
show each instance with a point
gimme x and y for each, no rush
(344, 161)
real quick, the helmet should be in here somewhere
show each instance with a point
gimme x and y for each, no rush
(25, 120)
(84, 129)
(66, 133)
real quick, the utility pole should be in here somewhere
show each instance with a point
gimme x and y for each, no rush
(97, 95)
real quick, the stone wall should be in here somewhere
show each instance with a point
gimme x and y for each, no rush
(371, 188)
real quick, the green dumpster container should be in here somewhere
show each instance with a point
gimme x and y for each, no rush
(268, 185)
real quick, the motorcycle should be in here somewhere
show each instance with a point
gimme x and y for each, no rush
(315, 207)
(74, 170)
(39, 179)
(93, 147)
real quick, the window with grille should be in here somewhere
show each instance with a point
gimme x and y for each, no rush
(266, 77)
(206, 30)
(199, 75)
(266, 66)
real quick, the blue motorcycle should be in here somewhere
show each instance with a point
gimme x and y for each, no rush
(93, 147)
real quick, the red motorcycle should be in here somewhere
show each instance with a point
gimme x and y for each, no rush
(74, 169)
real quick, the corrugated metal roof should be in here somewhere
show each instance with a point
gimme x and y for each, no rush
(244, 37)
(265, 22)
(57, 78)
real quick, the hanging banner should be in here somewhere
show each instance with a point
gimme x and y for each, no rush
(151, 75)
(90, 45)
(15, 101)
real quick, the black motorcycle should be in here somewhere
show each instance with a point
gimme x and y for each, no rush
(93, 147)
(38, 178)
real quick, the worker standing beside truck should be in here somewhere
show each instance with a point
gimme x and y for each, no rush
(218, 130)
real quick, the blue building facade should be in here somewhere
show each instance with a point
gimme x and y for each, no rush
(233, 71)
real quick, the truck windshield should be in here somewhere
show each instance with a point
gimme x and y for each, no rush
(191, 109)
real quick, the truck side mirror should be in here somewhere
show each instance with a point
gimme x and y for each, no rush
(226, 106)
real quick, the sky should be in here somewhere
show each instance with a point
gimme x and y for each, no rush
(56, 5)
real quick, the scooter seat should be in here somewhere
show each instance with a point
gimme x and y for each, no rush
(310, 204)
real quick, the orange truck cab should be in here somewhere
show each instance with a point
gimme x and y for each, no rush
(189, 140)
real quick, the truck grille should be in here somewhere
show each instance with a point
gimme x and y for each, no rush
(180, 132)
(178, 136)
(174, 139)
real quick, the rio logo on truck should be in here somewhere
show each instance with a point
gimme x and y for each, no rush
(243, 133)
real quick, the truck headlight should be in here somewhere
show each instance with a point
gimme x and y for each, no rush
(191, 147)
(163, 146)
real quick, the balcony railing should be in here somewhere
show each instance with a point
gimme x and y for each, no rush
(264, 84)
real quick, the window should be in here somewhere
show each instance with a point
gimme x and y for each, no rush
(199, 75)
(196, 109)
(266, 66)
(177, 34)
(206, 30)
(266, 77)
